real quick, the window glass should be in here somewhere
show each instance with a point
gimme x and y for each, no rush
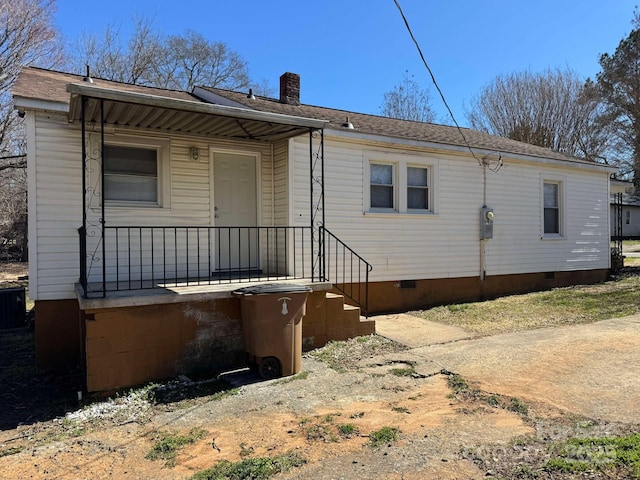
(131, 174)
(551, 208)
(381, 186)
(417, 188)
(551, 195)
(417, 177)
(381, 174)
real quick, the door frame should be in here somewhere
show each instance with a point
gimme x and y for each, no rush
(234, 151)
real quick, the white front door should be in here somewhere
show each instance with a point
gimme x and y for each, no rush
(235, 206)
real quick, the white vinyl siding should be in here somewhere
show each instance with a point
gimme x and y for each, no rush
(446, 244)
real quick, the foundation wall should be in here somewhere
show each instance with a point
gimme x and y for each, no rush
(128, 346)
(403, 296)
(132, 345)
(58, 335)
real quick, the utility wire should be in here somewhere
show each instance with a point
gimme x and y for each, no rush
(433, 79)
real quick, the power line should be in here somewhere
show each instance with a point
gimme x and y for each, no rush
(433, 79)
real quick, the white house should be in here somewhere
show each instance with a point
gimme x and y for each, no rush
(148, 207)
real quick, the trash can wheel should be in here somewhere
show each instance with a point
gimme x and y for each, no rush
(270, 368)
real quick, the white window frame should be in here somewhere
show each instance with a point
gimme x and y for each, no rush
(400, 162)
(561, 183)
(163, 149)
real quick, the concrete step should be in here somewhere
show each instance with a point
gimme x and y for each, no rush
(345, 320)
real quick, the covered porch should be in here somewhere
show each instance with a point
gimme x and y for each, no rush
(246, 236)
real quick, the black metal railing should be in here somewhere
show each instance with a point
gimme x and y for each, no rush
(345, 269)
(138, 258)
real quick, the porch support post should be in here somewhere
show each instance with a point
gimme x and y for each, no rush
(311, 201)
(82, 231)
(102, 219)
(317, 214)
(322, 252)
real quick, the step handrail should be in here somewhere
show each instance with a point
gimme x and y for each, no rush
(339, 269)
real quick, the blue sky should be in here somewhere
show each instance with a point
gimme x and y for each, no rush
(349, 52)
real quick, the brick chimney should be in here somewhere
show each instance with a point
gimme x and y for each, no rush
(290, 88)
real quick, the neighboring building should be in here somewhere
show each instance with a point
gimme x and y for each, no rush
(621, 186)
(627, 206)
(134, 258)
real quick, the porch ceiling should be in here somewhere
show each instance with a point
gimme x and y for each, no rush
(195, 117)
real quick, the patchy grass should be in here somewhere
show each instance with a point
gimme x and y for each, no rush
(561, 306)
(344, 356)
(409, 371)
(321, 430)
(519, 407)
(632, 262)
(10, 451)
(384, 436)
(347, 430)
(457, 383)
(168, 446)
(292, 378)
(400, 409)
(599, 454)
(260, 468)
(631, 245)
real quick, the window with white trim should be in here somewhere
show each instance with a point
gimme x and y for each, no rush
(552, 208)
(399, 183)
(136, 171)
(130, 174)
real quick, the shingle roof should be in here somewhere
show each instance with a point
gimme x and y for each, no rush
(377, 125)
(41, 84)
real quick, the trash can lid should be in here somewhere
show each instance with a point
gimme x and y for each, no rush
(266, 288)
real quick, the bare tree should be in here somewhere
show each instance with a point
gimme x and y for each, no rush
(191, 60)
(263, 88)
(110, 57)
(619, 85)
(552, 109)
(148, 58)
(27, 37)
(408, 101)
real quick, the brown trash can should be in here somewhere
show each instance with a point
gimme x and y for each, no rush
(272, 326)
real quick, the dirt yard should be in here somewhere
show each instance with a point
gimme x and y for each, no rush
(453, 406)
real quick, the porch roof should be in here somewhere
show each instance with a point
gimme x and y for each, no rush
(153, 108)
(136, 109)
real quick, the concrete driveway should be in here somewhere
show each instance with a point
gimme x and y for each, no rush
(591, 370)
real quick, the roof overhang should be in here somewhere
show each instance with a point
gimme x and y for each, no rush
(141, 110)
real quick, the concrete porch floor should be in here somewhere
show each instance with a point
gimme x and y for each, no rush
(181, 293)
